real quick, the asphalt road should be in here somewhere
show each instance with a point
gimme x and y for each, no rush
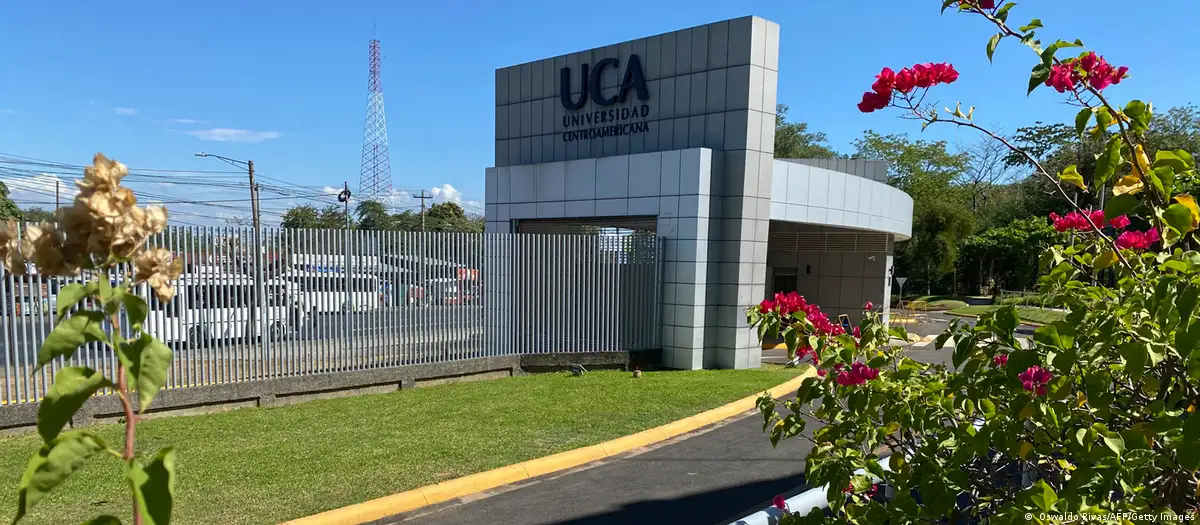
(712, 477)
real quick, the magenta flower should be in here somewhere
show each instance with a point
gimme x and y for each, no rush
(1136, 240)
(780, 503)
(1119, 223)
(1000, 360)
(1034, 380)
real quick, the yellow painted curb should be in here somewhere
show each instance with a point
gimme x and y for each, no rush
(386, 506)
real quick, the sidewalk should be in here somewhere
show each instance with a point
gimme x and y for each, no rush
(713, 477)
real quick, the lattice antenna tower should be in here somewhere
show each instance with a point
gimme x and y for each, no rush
(375, 182)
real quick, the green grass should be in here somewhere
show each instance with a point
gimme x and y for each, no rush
(1027, 314)
(273, 464)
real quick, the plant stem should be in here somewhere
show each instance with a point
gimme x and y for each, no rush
(130, 418)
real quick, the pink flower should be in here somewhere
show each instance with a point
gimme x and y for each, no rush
(925, 74)
(1136, 240)
(884, 82)
(869, 306)
(1119, 223)
(1063, 77)
(1101, 74)
(872, 101)
(857, 374)
(780, 503)
(905, 80)
(821, 372)
(1034, 380)
(857, 332)
(1000, 360)
(766, 306)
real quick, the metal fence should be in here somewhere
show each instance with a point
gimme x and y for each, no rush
(324, 301)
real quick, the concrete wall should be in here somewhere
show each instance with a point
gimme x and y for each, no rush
(711, 102)
(710, 86)
(815, 195)
(839, 281)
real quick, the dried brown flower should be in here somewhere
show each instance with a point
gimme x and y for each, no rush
(158, 268)
(10, 248)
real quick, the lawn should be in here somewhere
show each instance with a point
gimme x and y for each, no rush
(266, 465)
(1027, 314)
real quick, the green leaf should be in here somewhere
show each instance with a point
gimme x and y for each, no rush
(103, 520)
(82, 327)
(1108, 161)
(1040, 73)
(1072, 176)
(1187, 340)
(1104, 119)
(1007, 319)
(1163, 157)
(1047, 335)
(146, 359)
(1002, 13)
(1114, 442)
(991, 46)
(110, 297)
(1104, 260)
(1033, 24)
(135, 309)
(1139, 115)
(52, 465)
(71, 294)
(1189, 455)
(1163, 178)
(153, 486)
(790, 336)
(1081, 120)
(948, 3)
(1042, 495)
(72, 387)
(988, 407)
(1189, 298)
(1120, 205)
(1137, 356)
(1178, 217)
(1191, 428)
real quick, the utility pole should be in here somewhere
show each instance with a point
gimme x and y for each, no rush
(423, 196)
(259, 290)
(344, 198)
(57, 192)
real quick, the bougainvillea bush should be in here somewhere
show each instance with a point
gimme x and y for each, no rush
(1093, 417)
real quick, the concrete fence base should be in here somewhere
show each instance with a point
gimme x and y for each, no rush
(21, 418)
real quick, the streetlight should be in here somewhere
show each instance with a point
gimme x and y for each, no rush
(248, 165)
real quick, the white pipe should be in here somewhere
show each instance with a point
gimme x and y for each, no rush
(803, 502)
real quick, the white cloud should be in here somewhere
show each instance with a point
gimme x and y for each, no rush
(233, 135)
(7, 111)
(125, 111)
(186, 121)
(446, 193)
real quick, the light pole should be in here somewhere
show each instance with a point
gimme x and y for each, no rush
(248, 165)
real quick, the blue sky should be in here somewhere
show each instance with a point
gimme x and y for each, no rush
(284, 83)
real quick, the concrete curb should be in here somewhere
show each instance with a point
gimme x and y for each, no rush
(410, 500)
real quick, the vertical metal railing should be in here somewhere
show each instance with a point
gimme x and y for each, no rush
(337, 300)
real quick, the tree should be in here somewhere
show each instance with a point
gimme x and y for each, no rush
(794, 141)
(36, 214)
(300, 217)
(987, 168)
(938, 229)
(373, 215)
(920, 168)
(1006, 255)
(8, 209)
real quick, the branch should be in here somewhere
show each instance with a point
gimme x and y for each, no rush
(130, 418)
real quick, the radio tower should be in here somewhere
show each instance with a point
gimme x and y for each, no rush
(375, 182)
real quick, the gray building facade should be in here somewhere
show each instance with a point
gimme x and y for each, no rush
(674, 134)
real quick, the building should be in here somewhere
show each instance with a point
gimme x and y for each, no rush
(674, 134)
